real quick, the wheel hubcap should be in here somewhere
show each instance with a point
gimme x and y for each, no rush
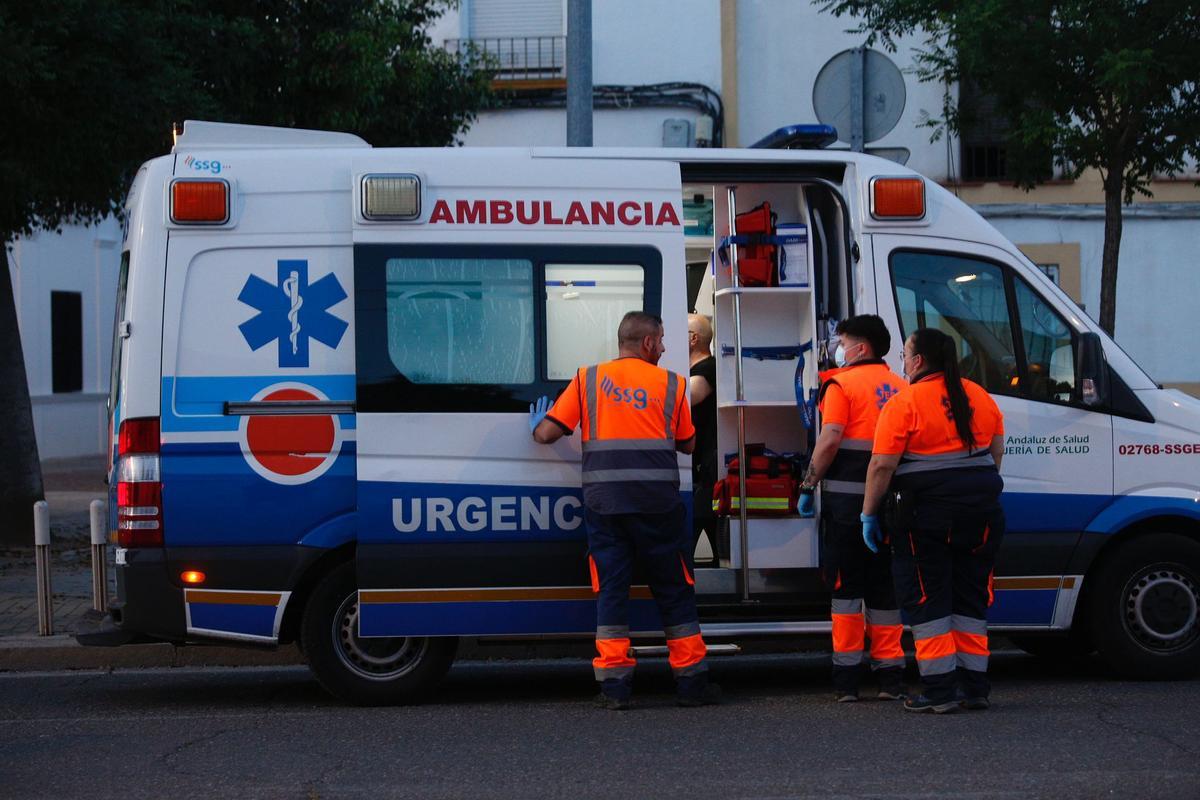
(374, 658)
(1161, 608)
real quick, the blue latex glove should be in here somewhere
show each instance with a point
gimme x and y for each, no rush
(538, 412)
(806, 506)
(872, 533)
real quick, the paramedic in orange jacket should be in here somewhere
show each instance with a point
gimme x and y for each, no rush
(634, 416)
(850, 402)
(942, 438)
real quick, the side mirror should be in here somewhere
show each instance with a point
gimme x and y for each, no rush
(1091, 371)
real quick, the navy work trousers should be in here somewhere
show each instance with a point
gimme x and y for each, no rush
(944, 583)
(661, 545)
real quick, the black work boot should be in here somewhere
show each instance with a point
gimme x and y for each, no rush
(891, 684)
(616, 694)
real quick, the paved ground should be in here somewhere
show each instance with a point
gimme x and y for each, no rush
(526, 729)
(71, 485)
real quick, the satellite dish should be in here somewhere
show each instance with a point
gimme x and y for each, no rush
(883, 94)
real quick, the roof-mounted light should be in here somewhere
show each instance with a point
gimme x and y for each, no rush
(898, 198)
(200, 201)
(798, 137)
(391, 197)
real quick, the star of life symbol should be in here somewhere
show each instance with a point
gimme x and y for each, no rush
(884, 393)
(291, 312)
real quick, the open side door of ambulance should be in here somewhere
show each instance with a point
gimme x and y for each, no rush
(483, 280)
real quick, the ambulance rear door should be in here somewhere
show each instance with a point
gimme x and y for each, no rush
(514, 271)
(1021, 342)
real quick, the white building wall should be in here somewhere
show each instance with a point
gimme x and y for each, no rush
(633, 43)
(79, 259)
(782, 46)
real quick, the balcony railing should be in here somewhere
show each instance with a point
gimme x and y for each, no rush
(519, 58)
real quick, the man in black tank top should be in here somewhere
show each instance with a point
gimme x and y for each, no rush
(702, 386)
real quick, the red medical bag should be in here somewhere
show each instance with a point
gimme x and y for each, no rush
(756, 258)
(772, 485)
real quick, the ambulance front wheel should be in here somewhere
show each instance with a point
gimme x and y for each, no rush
(366, 671)
(1145, 607)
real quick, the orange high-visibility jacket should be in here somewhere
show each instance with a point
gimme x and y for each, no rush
(916, 424)
(632, 413)
(853, 398)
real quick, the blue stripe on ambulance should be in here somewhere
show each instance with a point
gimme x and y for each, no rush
(212, 495)
(492, 618)
(194, 404)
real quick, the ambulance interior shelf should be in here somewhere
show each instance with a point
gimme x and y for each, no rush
(778, 327)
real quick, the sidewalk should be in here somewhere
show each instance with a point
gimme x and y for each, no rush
(71, 485)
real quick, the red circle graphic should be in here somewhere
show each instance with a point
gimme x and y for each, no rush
(291, 445)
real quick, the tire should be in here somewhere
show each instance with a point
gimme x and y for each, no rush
(1145, 608)
(368, 671)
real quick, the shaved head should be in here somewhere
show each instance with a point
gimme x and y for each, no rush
(699, 325)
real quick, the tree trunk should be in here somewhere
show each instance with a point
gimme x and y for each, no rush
(20, 469)
(1112, 248)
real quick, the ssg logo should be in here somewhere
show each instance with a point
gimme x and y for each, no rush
(292, 312)
(623, 394)
(204, 165)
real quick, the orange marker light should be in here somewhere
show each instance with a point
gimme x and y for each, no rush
(197, 202)
(898, 198)
(192, 576)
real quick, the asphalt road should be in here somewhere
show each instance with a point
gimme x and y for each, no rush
(528, 729)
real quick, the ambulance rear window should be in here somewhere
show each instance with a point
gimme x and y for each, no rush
(114, 375)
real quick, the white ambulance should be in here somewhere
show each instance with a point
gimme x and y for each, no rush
(324, 355)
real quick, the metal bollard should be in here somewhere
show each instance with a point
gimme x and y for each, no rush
(41, 541)
(99, 556)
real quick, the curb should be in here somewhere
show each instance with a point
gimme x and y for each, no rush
(62, 652)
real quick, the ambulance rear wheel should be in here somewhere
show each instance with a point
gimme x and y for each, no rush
(1145, 608)
(367, 670)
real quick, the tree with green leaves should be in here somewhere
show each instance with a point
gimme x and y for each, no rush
(91, 89)
(1111, 85)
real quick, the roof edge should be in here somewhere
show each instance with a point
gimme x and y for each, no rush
(199, 134)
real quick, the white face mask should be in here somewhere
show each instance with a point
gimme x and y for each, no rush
(840, 356)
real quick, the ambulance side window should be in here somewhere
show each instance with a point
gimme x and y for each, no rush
(964, 298)
(461, 321)
(489, 328)
(1049, 347)
(584, 305)
(1010, 340)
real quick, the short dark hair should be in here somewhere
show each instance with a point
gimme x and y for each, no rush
(871, 329)
(637, 325)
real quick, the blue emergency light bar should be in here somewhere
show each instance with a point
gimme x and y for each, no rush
(798, 137)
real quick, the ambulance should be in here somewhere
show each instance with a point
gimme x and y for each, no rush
(324, 356)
